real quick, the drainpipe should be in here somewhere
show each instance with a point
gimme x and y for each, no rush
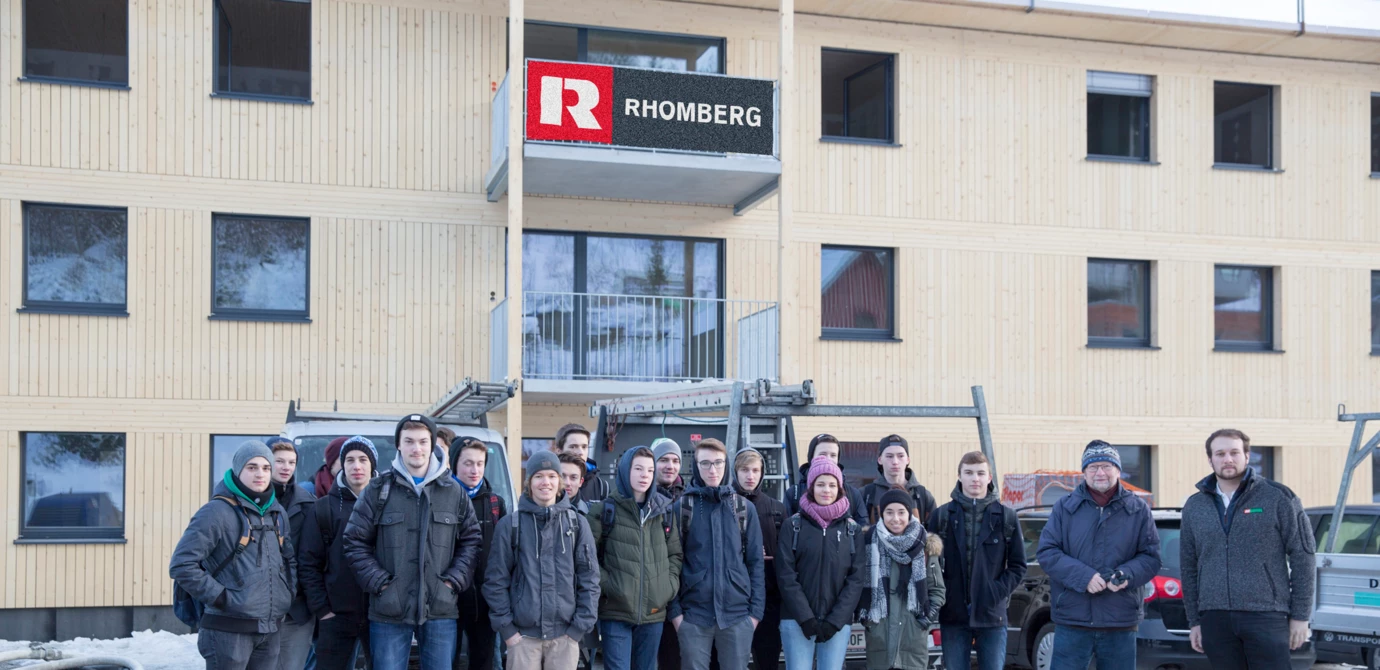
(1303, 27)
(1031, 7)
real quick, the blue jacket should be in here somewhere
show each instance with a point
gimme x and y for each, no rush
(721, 581)
(1081, 540)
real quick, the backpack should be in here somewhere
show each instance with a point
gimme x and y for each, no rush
(852, 531)
(188, 609)
(1008, 524)
(609, 514)
(687, 513)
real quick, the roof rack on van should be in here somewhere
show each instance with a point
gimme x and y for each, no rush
(467, 403)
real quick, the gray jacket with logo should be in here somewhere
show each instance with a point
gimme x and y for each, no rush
(1254, 556)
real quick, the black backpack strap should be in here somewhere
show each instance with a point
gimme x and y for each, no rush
(607, 515)
(795, 529)
(493, 508)
(323, 521)
(852, 533)
(687, 513)
(243, 542)
(385, 490)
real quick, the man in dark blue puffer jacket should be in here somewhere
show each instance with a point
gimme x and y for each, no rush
(1099, 548)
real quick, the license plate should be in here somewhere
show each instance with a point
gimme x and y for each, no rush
(857, 639)
(1346, 638)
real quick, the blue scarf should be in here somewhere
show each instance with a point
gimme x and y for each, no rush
(471, 492)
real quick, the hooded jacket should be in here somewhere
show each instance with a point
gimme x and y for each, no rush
(423, 536)
(721, 581)
(674, 491)
(543, 583)
(326, 577)
(297, 501)
(898, 641)
(1081, 540)
(641, 560)
(771, 516)
(873, 492)
(253, 592)
(998, 564)
(818, 571)
(489, 508)
(595, 488)
(1255, 556)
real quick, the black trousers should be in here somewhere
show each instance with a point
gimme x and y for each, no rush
(1246, 640)
(482, 641)
(336, 638)
(668, 655)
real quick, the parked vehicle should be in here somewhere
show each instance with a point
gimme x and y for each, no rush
(1357, 537)
(1162, 641)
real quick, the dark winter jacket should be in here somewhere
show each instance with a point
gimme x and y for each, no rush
(489, 507)
(1255, 556)
(856, 503)
(327, 578)
(978, 585)
(721, 580)
(422, 537)
(1081, 540)
(543, 583)
(674, 491)
(771, 515)
(817, 569)
(641, 556)
(595, 488)
(253, 592)
(298, 503)
(872, 497)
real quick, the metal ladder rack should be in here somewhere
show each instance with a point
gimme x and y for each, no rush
(469, 401)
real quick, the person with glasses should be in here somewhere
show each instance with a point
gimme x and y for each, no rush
(1099, 548)
(722, 593)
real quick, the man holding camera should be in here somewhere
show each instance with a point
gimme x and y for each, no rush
(1099, 548)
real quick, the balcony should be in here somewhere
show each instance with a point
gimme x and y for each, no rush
(636, 134)
(578, 347)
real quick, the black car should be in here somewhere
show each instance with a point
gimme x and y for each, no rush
(1358, 534)
(1162, 641)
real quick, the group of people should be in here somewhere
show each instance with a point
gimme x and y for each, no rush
(658, 572)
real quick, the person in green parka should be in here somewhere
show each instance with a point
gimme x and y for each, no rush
(640, 559)
(905, 586)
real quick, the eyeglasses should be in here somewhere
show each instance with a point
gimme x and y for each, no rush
(1102, 467)
(713, 465)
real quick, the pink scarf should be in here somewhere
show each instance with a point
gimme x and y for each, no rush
(824, 514)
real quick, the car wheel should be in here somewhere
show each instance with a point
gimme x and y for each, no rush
(1372, 659)
(1043, 653)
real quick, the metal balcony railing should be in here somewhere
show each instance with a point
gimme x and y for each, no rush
(586, 336)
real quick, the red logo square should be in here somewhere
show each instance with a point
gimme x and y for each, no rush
(569, 102)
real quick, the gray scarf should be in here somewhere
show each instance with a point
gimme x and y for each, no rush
(885, 550)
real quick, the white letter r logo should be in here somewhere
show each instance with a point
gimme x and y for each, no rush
(553, 101)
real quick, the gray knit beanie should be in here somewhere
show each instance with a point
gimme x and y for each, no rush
(542, 460)
(664, 445)
(247, 452)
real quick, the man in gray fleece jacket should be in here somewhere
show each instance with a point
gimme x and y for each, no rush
(1247, 553)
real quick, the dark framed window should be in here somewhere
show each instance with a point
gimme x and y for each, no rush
(73, 486)
(263, 48)
(857, 296)
(1136, 466)
(83, 41)
(1118, 302)
(1375, 311)
(1263, 461)
(623, 306)
(223, 453)
(260, 268)
(1243, 124)
(75, 259)
(1119, 115)
(1375, 133)
(858, 95)
(629, 48)
(1243, 308)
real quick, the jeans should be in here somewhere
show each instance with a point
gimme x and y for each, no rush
(1075, 647)
(390, 644)
(294, 641)
(338, 639)
(802, 652)
(238, 651)
(959, 645)
(734, 645)
(629, 647)
(1246, 640)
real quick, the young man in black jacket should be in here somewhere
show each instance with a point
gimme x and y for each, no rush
(984, 562)
(893, 464)
(766, 640)
(469, 457)
(1247, 554)
(335, 598)
(412, 541)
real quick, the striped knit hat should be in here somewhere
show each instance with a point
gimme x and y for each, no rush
(1098, 451)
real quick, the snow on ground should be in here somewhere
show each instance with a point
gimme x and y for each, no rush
(156, 651)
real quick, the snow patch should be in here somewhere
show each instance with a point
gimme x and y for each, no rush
(156, 651)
